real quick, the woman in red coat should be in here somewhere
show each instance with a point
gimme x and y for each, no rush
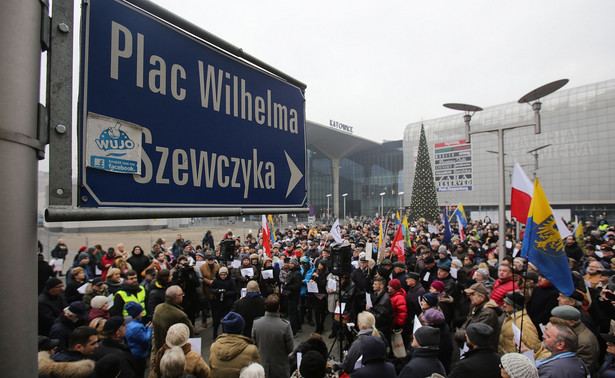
(398, 302)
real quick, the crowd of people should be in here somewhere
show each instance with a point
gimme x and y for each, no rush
(455, 309)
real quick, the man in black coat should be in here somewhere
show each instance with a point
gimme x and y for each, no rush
(381, 307)
(113, 343)
(480, 360)
(291, 290)
(424, 360)
(51, 302)
(250, 307)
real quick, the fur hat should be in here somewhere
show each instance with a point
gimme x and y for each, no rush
(427, 337)
(438, 285)
(98, 302)
(518, 366)
(233, 323)
(177, 335)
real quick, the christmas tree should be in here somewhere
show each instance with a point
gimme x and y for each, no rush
(424, 201)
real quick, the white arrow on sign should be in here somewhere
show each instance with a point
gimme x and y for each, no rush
(295, 174)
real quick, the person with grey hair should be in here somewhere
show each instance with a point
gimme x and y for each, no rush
(168, 313)
(588, 350)
(254, 370)
(562, 342)
(172, 363)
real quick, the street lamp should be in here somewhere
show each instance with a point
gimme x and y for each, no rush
(400, 200)
(344, 195)
(469, 110)
(534, 153)
(328, 197)
(382, 204)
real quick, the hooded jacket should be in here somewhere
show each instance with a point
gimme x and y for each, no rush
(231, 353)
(49, 368)
(118, 300)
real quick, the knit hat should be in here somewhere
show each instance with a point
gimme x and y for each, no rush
(395, 284)
(82, 255)
(443, 249)
(199, 254)
(108, 366)
(177, 335)
(431, 299)
(223, 270)
(483, 272)
(293, 260)
(427, 337)
(438, 285)
(78, 308)
(254, 256)
(98, 302)
(82, 248)
(479, 334)
(566, 312)
(518, 366)
(252, 286)
(133, 309)
(313, 365)
(52, 282)
(433, 316)
(233, 323)
(457, 263)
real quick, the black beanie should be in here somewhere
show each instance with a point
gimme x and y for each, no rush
(51, 283)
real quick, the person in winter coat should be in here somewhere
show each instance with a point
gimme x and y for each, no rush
(319, 300)
(100, 308)
(250, 307)
(79, 279)
(231, 352)
(542, 301)
(268, 285)
(273, 337)
(130, 292)
(480, 361)
(108, 261)
(186, 277)
(208, 271)
(177, 337)
(373, 361)
(484, 311)
(398, 303)
(138, 337)
(516, 314)
(381, 307)
(224, 291)
(562, 342)
(71, 317)
(157, 291)
(169, 313)
(114, 280)
(72, 361)
(292, 290)
(434, 318)
(305, 305)
(607, 370)
(96, 288)
(424, 361)
(138, 261)
(51, 303)
(503, 285)
(367, 327)
(113, 343)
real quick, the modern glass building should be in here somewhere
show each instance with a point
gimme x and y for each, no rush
(571, 156)
(346, 169)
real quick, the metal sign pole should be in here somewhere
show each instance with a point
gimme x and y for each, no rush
(20, 44)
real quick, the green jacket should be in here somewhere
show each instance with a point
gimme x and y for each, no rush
(165, 315)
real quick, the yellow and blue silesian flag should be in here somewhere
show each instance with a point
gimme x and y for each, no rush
(543, 245)
(461, 215)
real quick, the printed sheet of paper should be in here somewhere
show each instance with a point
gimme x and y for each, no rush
(267, 273)
(368, 300)
(312, 287)
(332, 284)
(247, 272)
(195, 344)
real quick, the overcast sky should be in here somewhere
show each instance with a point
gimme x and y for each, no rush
(379, 66)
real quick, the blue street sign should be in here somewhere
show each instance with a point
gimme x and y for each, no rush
(169, 121)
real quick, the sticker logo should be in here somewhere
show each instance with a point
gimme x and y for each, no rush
(114, 139)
